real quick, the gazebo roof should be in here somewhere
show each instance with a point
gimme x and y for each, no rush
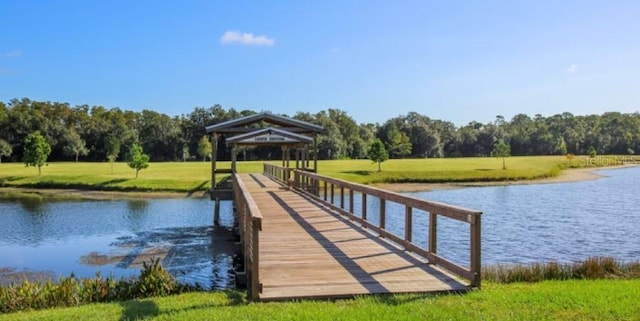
(236, 126)
(269, 135)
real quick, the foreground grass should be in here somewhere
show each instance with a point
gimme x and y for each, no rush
(556, 300)
(196, 176)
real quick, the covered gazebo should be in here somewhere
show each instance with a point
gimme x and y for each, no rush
(266, 129)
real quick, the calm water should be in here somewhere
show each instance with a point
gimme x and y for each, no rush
(521, 223)
(115, 237)
(541, 222)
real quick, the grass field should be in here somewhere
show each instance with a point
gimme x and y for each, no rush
(196, 176)
(553, 300)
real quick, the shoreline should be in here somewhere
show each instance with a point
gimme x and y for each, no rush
(566, 176)
(95, 195)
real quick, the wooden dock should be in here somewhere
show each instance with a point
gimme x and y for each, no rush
(297, 246)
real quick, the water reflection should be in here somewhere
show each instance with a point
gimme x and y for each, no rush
(115, 237)
(186, 251)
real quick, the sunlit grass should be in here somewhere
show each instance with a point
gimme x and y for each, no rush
(196, 176)
(551, 300)
(444, 170)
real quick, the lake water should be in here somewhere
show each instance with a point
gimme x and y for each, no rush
(56, 238)
(547, 222)
(520, 224)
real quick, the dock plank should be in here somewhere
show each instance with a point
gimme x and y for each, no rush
(309, 251)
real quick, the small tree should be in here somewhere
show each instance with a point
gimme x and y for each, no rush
(75, 145)
(138, 160)
(377, 153)
(36, 151)
(5, 149)
(502, 149)
(570, 157)
(204, 148)
(592, 152)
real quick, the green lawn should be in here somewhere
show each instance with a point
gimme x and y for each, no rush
(195, 176)
(440, 170)
(553, 300)
(169, 176)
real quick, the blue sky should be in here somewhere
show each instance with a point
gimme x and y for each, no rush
(452, 60)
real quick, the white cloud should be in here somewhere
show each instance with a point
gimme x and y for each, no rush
(573, 68)
(231, 37)
(11, 54)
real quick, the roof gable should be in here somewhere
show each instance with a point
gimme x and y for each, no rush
(269, 136)
(231, 126)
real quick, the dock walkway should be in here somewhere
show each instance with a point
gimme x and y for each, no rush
(308, 250)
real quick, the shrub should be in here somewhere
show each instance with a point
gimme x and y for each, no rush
(154, 280)
(591, 268)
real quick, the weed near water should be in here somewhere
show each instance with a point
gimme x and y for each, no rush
(591, 268)
(154, 281)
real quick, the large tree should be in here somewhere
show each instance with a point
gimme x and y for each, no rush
(75, 145)
(503, 150)
(36, 151)
(5, 149)
(399, 142)
(377, 153)
(138, 160)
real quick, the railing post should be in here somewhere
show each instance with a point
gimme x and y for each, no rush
(408, 223)
(324, 188)
(383, 213)
(333, 187)
(351, 201)
(364, 206)
(433, 233)
(476, 263)
(341, 197)
(256, 287)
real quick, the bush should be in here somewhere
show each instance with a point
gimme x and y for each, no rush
(154, 280)
(591, 268)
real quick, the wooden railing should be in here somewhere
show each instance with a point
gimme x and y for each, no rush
(282, 174)
(250, 224)
(326, 189)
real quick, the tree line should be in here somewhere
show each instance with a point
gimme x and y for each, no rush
(96, 133)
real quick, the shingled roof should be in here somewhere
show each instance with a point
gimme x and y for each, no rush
(235, 126)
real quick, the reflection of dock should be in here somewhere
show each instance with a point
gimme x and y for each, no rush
(299, 246)
(200, 254)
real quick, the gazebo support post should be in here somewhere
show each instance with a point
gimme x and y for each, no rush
(234, 152)
(315, 154)
(214, 154)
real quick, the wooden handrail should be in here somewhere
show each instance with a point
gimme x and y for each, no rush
(250, 222)
(282, 174)
(323, 188)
